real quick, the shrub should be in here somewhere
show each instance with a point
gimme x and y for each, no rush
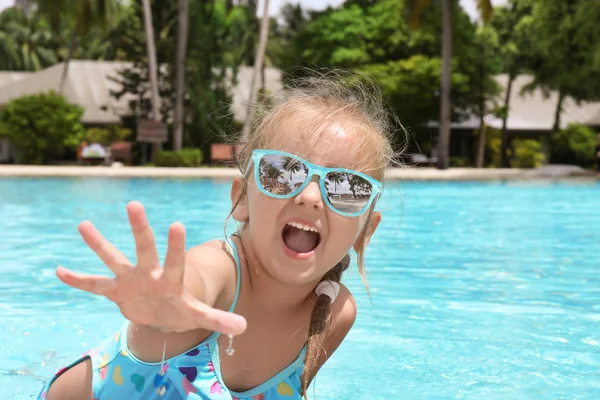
(41, 127)
(573, 145)
(184, 158)
(526, 153)
(460, 162)
(493, 148)
(107, 135)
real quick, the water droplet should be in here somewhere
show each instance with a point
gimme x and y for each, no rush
(230, 350)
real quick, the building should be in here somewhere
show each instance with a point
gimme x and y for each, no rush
(89, 85)
(531, 115)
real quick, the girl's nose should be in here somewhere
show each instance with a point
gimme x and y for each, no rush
(310, 196)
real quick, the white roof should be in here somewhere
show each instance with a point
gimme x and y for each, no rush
(89, 86)
(9, 77)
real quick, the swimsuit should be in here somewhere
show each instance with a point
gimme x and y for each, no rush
(194, 374)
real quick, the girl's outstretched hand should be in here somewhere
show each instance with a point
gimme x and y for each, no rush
(146, 293)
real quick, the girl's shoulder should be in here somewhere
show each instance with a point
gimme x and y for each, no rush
(343, 315)
(211, 271)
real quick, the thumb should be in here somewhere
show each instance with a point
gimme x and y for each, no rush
(213, 319)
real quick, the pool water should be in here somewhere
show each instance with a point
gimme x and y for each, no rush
(479, 290)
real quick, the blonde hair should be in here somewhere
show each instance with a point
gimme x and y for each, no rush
(321, 98)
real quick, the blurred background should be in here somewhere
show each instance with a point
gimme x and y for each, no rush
(476, 83)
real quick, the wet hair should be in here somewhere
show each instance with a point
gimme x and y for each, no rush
(354, 102)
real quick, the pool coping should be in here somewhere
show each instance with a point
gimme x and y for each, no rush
(398, 174)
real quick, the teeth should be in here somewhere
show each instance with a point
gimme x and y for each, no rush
(303, 227)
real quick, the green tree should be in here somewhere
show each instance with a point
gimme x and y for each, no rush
(258, 67)
(81, 16)
(488, 64)
(370, 38)
(214, 54)
(417, 7)
(568, 47)
(517, 48)
(41, 127)
(26, 42)
(182, 38)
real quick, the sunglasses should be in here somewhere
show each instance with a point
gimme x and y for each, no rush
(282, 175)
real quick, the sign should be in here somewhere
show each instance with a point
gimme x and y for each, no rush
(150, 131)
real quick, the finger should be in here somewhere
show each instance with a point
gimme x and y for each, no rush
(145, 247)
(90, 283)
(175, 259)
(216, 320)
(113, 258)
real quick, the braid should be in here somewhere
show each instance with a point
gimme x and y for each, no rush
(320, 322)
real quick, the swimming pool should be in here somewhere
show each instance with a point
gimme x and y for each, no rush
(480, 290)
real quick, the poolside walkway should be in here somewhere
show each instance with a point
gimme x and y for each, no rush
(404, 174)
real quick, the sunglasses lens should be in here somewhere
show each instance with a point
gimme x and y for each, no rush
(347, 192)
(281, 175)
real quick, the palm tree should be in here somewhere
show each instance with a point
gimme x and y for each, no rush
(182, 38)
(152, 65)
(26, 42)
(258, 62)
(272, 172)
(417, 6)
(336, 177)
(291, 165)
(82, 16)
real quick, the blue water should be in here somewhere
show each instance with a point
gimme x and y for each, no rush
(480, 291)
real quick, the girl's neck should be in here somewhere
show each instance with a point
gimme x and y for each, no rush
(269, 293)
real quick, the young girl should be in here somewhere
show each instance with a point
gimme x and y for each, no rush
(312, 172)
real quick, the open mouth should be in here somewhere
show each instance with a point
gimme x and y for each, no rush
(300, 238)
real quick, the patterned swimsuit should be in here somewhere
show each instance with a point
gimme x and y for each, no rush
(194, 374)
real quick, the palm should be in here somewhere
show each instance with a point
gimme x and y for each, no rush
(147, 294)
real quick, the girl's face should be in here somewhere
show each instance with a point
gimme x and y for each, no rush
(288, 255)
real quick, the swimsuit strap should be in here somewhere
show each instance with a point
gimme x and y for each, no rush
(236, 256)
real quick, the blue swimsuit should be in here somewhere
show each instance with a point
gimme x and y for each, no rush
(195, 374)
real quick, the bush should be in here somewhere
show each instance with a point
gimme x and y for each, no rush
(493, 148)
(184, 158)
(106, 135)
(460, 162)
(573, 145)
(526, 153)
(41, 127)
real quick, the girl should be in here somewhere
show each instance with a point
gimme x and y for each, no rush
(312, 172)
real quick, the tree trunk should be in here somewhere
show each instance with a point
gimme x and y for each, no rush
(152, 66)
(260, 56)
(504, 134)
(263, 79)
(182, 38)
(481, 143)
(558, 111)
(65, 72)
(444, 135)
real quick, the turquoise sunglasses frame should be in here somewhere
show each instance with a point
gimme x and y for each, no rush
(313, 170)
